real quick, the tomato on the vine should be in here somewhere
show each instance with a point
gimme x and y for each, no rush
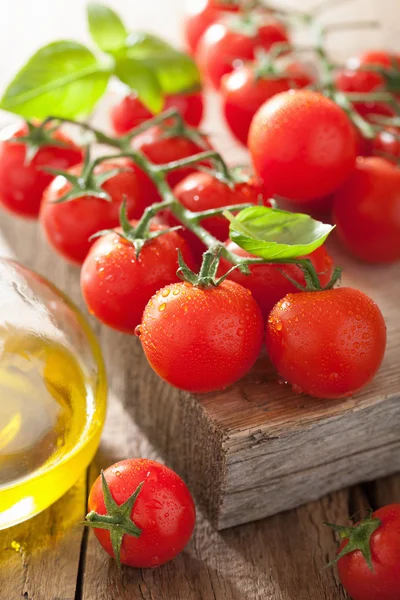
(302, 145)
(234, 39)
(69, 225)
(160, 147)
(203, 13)
(22, 182)
(162, 518)
(366, 211)
(129, 112)
(245, 89)
(218, 331)
(268, 283)
(327, 344)
(117, 284)
(387, 144)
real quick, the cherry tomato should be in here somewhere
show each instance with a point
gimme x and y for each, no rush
(22, 183)
(164, 511)
(130, 112)
(383, 581)
(244, 91)
(217, 330)
(233, 40)
(117, 285)
(302, 145)
(160, 148)
(326, 344)
(202, 14)
(354, 79)
(267, 282)
(387, 143)
(366, 211)
(69, 225)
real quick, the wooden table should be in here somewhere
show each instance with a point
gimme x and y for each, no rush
(280, 558)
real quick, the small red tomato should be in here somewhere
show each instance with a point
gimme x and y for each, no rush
(381, 537)
(158, 147)
(233, 40)
(354, 79)
(267, 282)
(69, 225)
(244, 91)
(202, 339)
(162, 519)
(130, 112)
(302, 145)
(366, 211)
(22, 183)
(326, 344)
(201, 14)
(117, 285)
(387, 144)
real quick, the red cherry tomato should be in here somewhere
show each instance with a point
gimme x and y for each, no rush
(160, 149)
(164, 511)
(117, 285)
(231, 41)
(302, 145)
(243, 92)
(354, 79)
(383, 581)
(69, 225)
(22, 183)
(387, 143)
(326, 344)
(217, 330)
(267, 282)
(201, 14)
(130, 112)
(366, 211)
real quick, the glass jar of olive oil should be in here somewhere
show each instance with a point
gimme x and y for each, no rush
(52, 394)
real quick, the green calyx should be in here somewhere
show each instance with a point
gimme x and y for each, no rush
(358, 538)
(207, 276)
(117, 520)
(37, 137)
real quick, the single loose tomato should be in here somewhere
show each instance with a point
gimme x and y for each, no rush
(379, 535)
(366, 211)
(233, 40)
(69, 225)
(129, 112)
(268, 283)
(302, 145)
(326, 344)
(201, 14)
(216, 331)
(116, 284)
(22, 182)
(160, 148)
(245, 89)
(162, 518)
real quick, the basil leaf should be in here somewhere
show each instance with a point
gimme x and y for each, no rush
(106, 28)
(143, 80)
(62, 79)
(276, 234)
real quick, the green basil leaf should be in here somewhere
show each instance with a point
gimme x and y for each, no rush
(143, 80)
(277, 234)
(106, 28)
(62, 79)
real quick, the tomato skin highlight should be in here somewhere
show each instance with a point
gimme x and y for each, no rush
(117, 286)
(366, 211)
(302, 145)
(129, 112)
(267, 282)
(383, 583)
(202, 14)
(22, 185)
(217, 333)
(164, 511)
(243, 94)
(326, 344)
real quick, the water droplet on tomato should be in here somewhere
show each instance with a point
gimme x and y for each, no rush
(333, 376)
(165, 293)
(297, 389)
(138, 330)
(278, 325)
(162, 307)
